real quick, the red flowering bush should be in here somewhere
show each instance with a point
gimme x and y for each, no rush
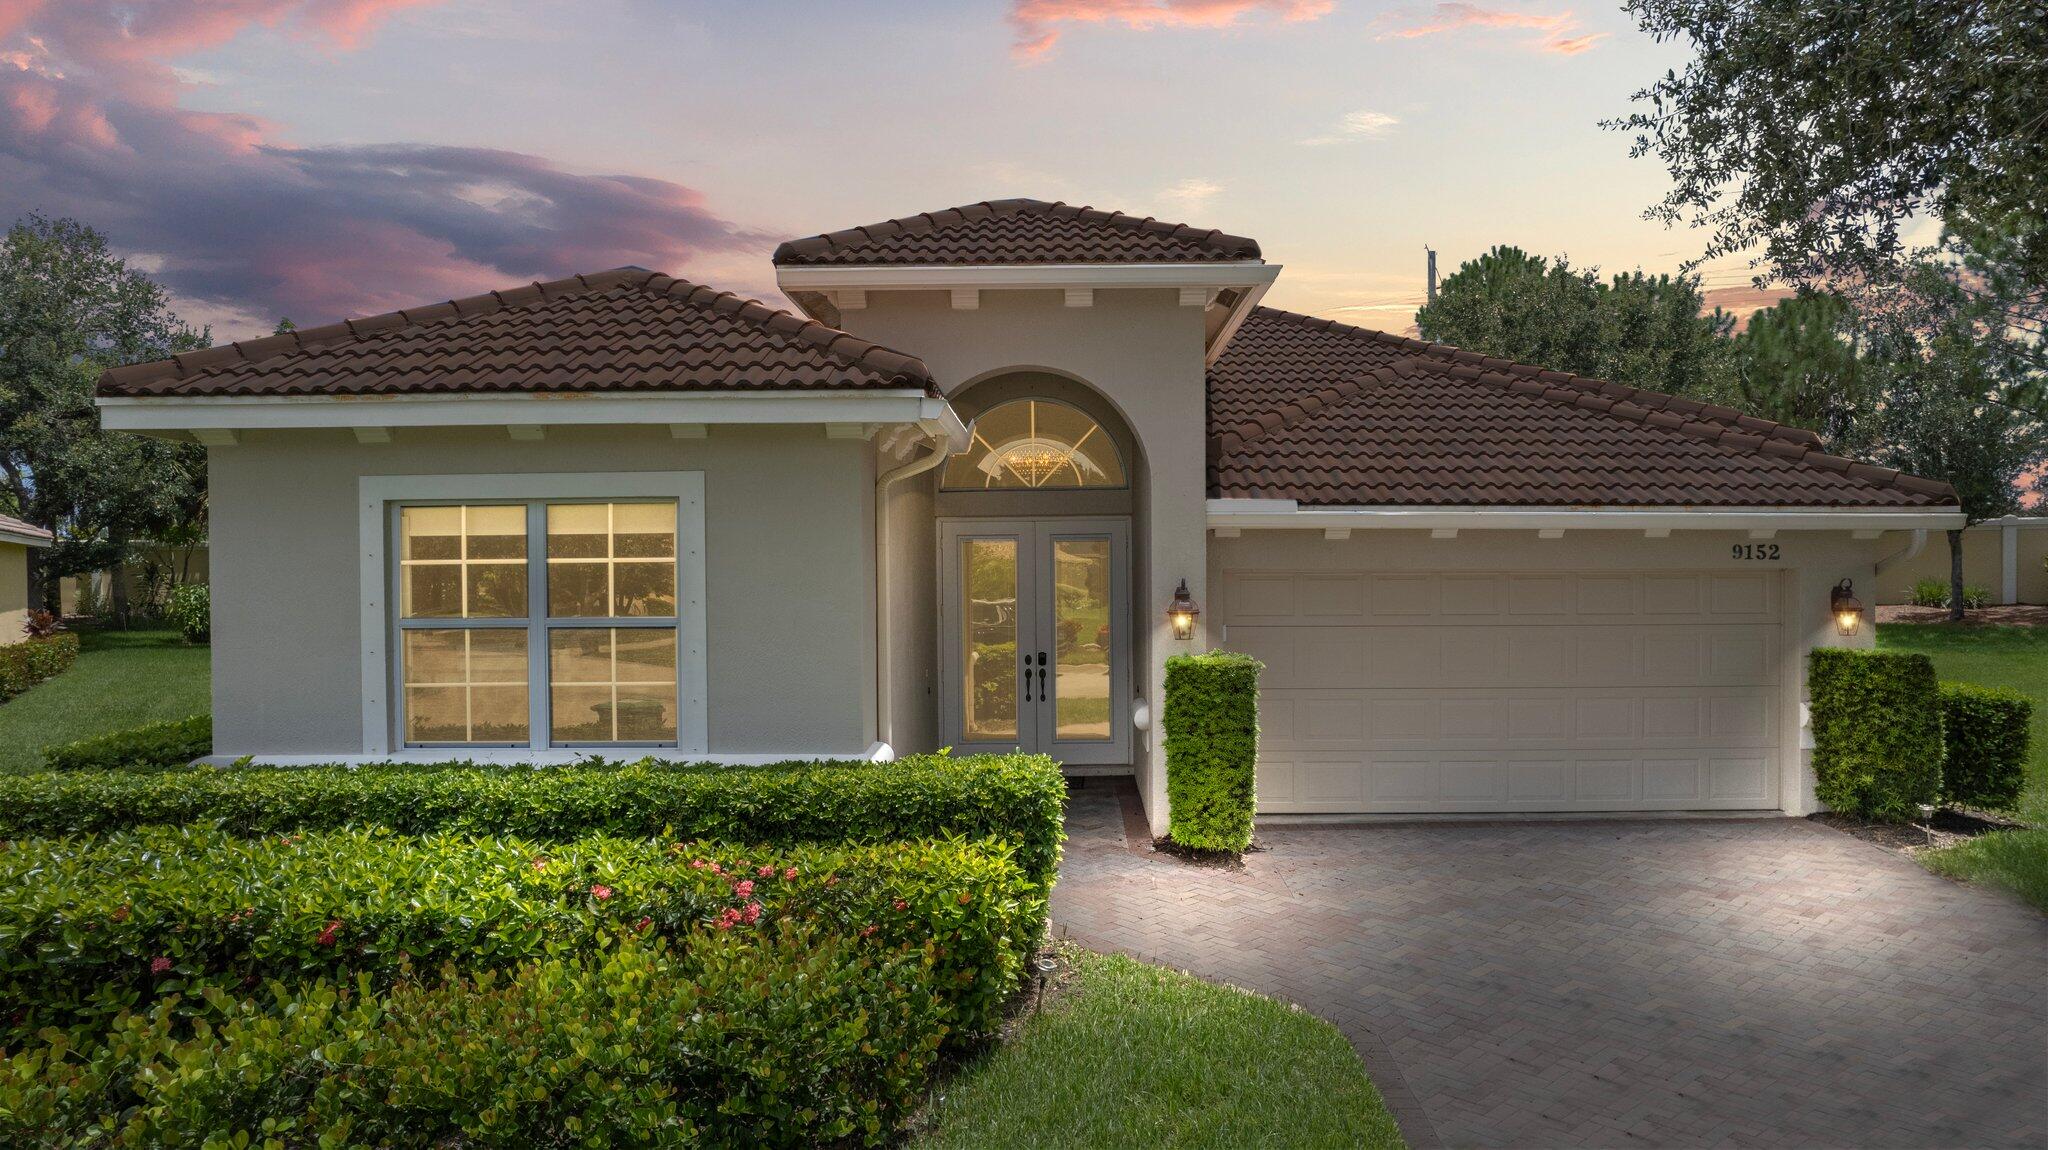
(226, 912)
(785, 1037)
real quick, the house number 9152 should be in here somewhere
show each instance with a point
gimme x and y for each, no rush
(1761, 552)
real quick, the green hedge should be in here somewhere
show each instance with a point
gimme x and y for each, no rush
(1986, 732)
(152, 746)
(790, 1039)
(24, 664)
(1017, 798)
(1212, 749)
(1877, 742)
(91, 927)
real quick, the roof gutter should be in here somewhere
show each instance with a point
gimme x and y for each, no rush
(201, 415)
(942, 445)
(1199, 281)
(26, 539)
(1285, 514)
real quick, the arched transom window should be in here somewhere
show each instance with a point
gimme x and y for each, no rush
(1035, 443)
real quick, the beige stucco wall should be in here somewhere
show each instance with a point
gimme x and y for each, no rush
(1811, 564)
(1143, 352)
(13, 591)
(1983, 563)
(788, 573)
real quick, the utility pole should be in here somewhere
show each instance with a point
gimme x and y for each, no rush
(1432, 272)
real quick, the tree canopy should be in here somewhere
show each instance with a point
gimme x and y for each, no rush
(1813, 132)
(1642, 330)
(69, 309)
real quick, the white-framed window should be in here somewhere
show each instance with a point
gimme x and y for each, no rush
(535, 613)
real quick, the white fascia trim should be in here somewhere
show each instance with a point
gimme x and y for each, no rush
(1246, 301)
(509, 758)
(187, 413)
(1012, 277)
(25, 540)
(1287, 513)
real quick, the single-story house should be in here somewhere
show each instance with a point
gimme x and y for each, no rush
(954, 502)
(2007, 556)
(16, 538)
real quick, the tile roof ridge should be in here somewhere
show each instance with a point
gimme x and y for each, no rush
(1258, 427)
(838, 345)
(1714, 424)
(813, 247)
(1653, 400)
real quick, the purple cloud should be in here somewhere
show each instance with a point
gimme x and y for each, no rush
(229, 216)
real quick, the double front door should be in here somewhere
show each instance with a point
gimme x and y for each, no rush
(1035, 629)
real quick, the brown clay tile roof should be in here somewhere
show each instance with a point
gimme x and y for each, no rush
(628, 329)
(1018, 232)
(1325, 413)
(9, 525)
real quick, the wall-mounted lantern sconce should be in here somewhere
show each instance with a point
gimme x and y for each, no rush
(1847, 608)
(1182, 611)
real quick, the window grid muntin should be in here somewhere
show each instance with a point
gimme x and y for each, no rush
(540, 627)
(979, 447)
(462, 562)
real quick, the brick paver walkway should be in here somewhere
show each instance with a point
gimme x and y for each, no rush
(1640, 983)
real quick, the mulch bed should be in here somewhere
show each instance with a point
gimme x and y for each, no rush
(1947, 828)
(1196, 856)
(2011, 615)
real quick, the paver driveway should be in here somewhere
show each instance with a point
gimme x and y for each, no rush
(1640, 983)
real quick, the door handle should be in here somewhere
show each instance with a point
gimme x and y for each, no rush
(1042, 696)
(1027, 676)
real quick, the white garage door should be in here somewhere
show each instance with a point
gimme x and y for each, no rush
(1589, 691)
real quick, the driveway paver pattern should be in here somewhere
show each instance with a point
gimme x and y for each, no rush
(1763, 982)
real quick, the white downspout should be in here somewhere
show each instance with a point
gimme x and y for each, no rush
(885, 723)
(1912, 549)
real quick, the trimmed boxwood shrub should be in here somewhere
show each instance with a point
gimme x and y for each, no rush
(1212, 749)
(1877, 742)
(791, 1038)
(1985, 729)
(92, 927)
(152, 746)
(24, 664)
(1016, 798)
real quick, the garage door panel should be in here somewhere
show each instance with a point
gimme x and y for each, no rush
(1444, 656)
(1543, 691)
(1504, 719)
(1535, 599)
(1395, 782)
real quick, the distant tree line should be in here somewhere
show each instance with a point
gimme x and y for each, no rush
(1813, 136)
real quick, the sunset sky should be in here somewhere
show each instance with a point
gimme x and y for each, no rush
(318, 158)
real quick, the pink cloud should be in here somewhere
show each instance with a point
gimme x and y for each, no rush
(1038, 23)
(238, 221)
(1554, 30)
(1573, 45)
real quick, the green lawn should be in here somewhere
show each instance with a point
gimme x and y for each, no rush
(2015, 657)
(122, 679)
(1131, 1055)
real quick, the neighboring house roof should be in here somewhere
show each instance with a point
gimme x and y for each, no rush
(1018, 232)
(1328, 414)
(27, 534)
(627, 329)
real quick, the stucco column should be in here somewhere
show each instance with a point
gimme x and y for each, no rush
(1177, 539)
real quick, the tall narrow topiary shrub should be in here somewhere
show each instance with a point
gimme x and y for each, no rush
(1212, 749)
(1986, 732)
(1877, 745)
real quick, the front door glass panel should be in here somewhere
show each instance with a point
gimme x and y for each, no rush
(1081, 638)
(988, 595)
